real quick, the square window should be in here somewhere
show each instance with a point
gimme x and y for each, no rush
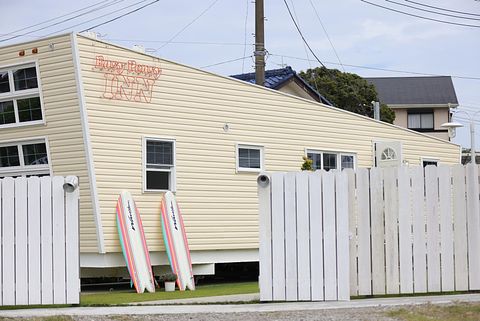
(329, 161)
(347, 161)
(35, 154)
(4, 82)
(9, 156)
(25, 78)
(249, 158)
(29, 109)
(317, 160)
(7, 112)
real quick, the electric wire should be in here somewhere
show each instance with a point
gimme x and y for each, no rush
(98, 17)
(385, 69)
(227, 61)
(439, 8)
(62, 21)
(245, 36)
(122, 15)
(188, 24)
(431, 11)
(326, 34)
(53, 19)
(301, 34)
(181, 42)
(421, 17)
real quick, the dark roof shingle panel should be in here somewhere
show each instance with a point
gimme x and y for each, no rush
(415, 90)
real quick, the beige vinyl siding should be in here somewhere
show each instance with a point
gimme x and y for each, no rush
(63, 127)
(219, 206)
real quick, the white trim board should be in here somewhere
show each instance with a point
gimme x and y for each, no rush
(88, 146)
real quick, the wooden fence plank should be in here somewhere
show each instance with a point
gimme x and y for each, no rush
(8, 224)
(460, 230)
(46, 240)
(405, 231)
(58, 205)
(21, 250)
(391, 230)
(316, 236)
(278, 236)
(303, 237)
(378, 231)
(446, 228)
(473, 221)
(265, 248)
(363, 230)
(433, 235)
(352, 232)
(34, 237)
(291, 286)
(341, 186)
(329, 245)
(72, 247)
(419, 238)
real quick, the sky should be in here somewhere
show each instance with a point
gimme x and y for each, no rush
(216, 34)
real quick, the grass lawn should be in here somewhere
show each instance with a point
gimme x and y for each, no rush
(430, 312)
(124, 297)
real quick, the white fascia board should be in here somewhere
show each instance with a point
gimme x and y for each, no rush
(88, 146)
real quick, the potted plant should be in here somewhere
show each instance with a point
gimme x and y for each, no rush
(169, 280)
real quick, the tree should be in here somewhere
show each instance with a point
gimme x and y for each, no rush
(347, 91)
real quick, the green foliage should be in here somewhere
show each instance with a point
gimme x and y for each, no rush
(346, 91)
(428, 312)
(167, 277)
(307, 164)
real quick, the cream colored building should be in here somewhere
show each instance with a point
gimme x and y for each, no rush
(124, 120)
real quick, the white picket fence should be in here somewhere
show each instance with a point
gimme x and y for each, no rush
(410, 230)
(304, 237)
(39, 257)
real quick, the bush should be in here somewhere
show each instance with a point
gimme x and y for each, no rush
(167, 277)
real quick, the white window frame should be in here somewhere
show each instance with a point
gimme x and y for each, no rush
(14, 95)
(338, 153)
(249, 146)
(429, 159)
(24, 170)
(172, 170)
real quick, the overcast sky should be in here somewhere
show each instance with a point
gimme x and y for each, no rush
(363, 35)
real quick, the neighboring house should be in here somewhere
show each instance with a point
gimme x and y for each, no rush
(286, 80)
(420, 103)
(124, 120)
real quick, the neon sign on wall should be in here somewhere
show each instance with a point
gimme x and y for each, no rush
(128, 80)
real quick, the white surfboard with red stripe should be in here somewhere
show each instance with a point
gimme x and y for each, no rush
(134, 245)
(176, 242)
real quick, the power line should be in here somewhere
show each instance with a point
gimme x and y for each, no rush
(181, 42)
(326, 33)
(301, 35)
(121, 16)
(384, 69)
(421, 17)
(189, 24)
(53, 19)
(245, 36)
(430, 11)
(104, 15)
(63, 21)
(439, 8)
(227, 61)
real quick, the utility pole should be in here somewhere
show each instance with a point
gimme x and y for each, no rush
(376, 110)
(473, 156)
(259, 44)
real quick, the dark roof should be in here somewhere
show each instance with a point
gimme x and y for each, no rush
(276, 78)
(415, 90)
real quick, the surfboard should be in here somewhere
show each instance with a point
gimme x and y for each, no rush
(134, 245)
(176, 242)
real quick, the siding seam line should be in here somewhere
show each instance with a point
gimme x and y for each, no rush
(88, 146)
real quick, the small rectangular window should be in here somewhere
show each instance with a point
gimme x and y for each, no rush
(20, 101)
(419, 120)
(249, 158)
(24, 159)
(159, 165)
(347, 161)
(331, 160)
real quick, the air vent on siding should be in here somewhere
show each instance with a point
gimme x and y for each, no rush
(139, 48)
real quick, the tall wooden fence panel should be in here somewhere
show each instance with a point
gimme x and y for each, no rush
(304, 236)
(39, 256)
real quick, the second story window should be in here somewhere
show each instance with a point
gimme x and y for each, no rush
(19, 96)
(421, 120)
